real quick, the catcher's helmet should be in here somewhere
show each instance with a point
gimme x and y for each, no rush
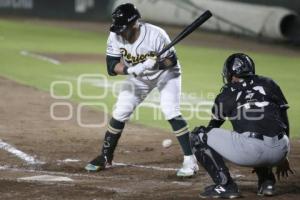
(239, 65)
(123, 16)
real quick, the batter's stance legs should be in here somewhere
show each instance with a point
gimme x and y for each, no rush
(110, 142)
(113, 134)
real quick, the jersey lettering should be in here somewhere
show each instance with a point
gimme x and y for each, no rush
(249, 95)
(151, 40)
(238, 95)
(260, 89)
(129, 58)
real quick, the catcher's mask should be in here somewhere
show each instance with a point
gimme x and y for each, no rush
(123, 16)
(238, 65)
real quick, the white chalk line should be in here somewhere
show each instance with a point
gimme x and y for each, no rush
(9, 168)
(79, 176)
(116, 164)
(40, 57)
(14, 169)
(6, 167)
(31, 160)
(68, 160)
(145, 167)
(23, 156)
(46, 178)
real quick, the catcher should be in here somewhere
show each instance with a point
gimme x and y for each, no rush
(257, 110)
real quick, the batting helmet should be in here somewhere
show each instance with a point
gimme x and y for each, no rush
(239, 65)
(123, 16)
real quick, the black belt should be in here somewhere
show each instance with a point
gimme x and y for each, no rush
(261, 136)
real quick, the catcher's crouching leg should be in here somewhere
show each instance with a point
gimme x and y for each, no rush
(214, 164)
(266, 181)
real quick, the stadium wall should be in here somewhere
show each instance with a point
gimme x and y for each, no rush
(274, 23)
(64, 9)
(289, 4)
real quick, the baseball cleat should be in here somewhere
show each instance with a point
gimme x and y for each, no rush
(266, 189)
(189, 167)
(99, 163)
(92, 168)
(229, 191)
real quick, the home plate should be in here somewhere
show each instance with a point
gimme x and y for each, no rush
(47, 178)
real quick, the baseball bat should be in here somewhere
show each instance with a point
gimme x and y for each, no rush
(189, 29)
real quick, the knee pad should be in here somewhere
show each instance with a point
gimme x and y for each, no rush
(210, 159)
(198, 141)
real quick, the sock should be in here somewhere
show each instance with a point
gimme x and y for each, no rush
(180, 128)
(111, 138)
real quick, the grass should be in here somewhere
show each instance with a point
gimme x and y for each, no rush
(201, 67)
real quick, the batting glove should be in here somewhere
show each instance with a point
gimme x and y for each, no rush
(150, 62)
(138, 69)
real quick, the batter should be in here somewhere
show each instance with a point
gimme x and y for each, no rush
(131, 50)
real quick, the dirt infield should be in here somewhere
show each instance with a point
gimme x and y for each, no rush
(149, 172)
(144, 169)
